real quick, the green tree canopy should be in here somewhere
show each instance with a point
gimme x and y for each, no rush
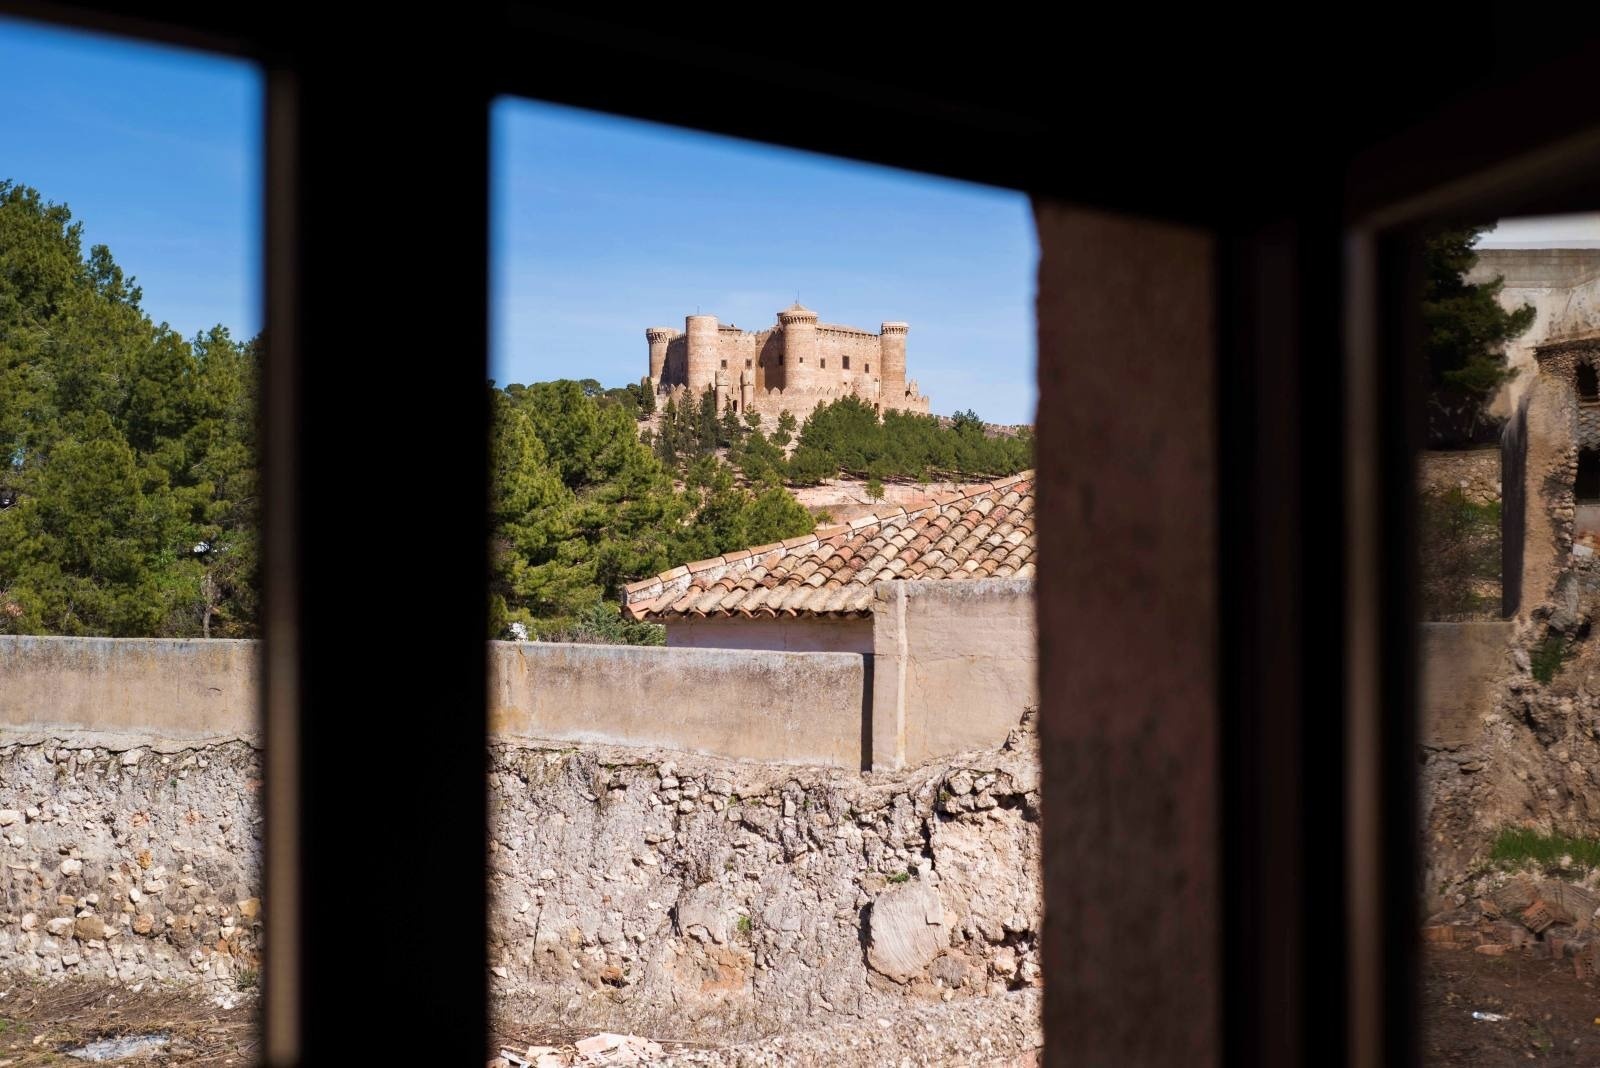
(1465, 331)
(848, 437)
(129, 494)
(581, 505)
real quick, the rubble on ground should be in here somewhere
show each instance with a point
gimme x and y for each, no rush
(1003, 1031)
(1547, 919)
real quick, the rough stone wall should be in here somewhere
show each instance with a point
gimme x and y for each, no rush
(631, 889)
(1475, 472)
(696, 897)
(130, 865)
(1551, 467)
(1533, 758)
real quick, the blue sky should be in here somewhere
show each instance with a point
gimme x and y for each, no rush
(601, 226)
(605, 226)
(157, 153)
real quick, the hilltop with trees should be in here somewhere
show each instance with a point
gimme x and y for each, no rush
(129, 499)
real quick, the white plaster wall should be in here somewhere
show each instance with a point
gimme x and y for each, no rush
(1563, 285)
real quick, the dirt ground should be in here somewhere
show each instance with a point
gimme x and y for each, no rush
(1552, 1016)
(40, 1024)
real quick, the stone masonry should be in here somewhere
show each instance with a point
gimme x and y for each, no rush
(1475, 472)
(793, 366)
(692, 897)
(130, 866)
(632, 889)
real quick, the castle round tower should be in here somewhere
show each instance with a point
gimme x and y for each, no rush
(701, 352)
(658, 336)
(801, 371)
(892, 362)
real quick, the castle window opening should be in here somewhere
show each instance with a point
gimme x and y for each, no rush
(824, 362)
(1587, 486)
(747, 365)
(1588, 383)
(868, 369)
(724, 365)
(847, 363)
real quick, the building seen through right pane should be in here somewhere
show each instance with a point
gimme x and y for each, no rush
(1509, 731)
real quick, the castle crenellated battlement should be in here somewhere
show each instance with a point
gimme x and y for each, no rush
(793, 366)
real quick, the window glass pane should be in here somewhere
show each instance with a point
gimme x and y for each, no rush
(1508, 515)
(129, 511)
(721, 577)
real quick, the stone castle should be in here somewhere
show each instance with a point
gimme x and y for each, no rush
(795, 365)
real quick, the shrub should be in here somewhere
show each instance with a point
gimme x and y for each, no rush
(1460, 544)
(1548, 658)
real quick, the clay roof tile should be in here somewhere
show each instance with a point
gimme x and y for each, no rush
(984, 530)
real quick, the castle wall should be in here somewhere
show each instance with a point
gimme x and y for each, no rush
(704, 345)
(736, 349)
(835, 346)
(770, 366)
(793, 367)
(676, 371)
(836, 343)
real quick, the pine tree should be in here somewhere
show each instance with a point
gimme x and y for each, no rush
(129, 497)
(1465, 331)
(729, 431)
(787, 425)
(707, 423)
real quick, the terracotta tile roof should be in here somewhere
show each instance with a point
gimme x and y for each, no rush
(983, 533)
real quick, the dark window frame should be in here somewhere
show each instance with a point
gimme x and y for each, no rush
(1342, 235)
